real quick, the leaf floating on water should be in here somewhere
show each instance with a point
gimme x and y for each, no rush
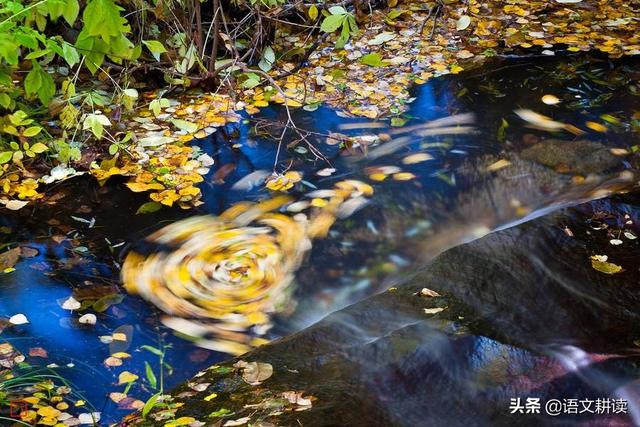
(434, 310)
(249, 182)
(546, 123)
(500, 164)
(550, 99)
(18, 319)
(149, 207)
(126, 377)
(9, 258)
(38, 352)
(88, 319)
(540, 121)
(412, 159)
(615, 242)
(596, 126)
(600, 263)
(71, 304)
(112, 362)
(254, 372)
(89, 418)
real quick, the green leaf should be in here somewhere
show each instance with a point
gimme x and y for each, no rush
(337, 10)
(37, 54)
(102, 19)
(5, 156)
(148, 406)
(113, 149)
(5, 101)
(32, 131)
(33, 81)
(372, 59)
(149, 348)
(268, 59)
(148, 207)
(70, 54)
(332, 23)
(8, 48)
(95, 123)
(70, 12)
(252, 80)
(107, 301)
(39, 147)
(155, 47)
(151, 377)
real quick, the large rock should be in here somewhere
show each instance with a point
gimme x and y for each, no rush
(522, 313)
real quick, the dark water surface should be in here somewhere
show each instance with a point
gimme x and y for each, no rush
(456, 197)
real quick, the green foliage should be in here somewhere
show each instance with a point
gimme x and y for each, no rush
(337, 17)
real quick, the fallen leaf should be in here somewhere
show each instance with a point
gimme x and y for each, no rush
(126, 377)
(38, 352)
(463, 22)
(71, 304)
(550, 99)
(88, 319)
(9, 258)
(254, 372)
(600, 263)
(425, 292)
(18, 319)
(500, 164)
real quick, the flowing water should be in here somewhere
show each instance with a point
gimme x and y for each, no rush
(461, 166)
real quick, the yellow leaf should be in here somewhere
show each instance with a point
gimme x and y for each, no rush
(138, 187)
(403, 176)
(49, 412)
(182, 421)
(416, 158)
(550, 99)
(498, 165)
(596, 126)
(313, 12)
(600, 263)
(126, 377)
(121, 355)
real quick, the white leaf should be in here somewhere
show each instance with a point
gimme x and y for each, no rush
(88, 319)
(18, 319)
(250, 181)
(463, 22)
(91, 418)
(381, 38)
(205, 159)
(70, 304)
(14, 205)
(154, 141)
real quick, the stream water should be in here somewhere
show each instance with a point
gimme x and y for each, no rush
(461, 192)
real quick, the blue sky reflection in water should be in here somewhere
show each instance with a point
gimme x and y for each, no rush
(403, 227)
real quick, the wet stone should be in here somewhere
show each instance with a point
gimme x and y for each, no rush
(518, 313)
(580, 157)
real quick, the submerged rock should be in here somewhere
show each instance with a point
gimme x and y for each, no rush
(521, 313)
(578, 157)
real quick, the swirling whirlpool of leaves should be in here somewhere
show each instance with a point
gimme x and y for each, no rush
(224, 277)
